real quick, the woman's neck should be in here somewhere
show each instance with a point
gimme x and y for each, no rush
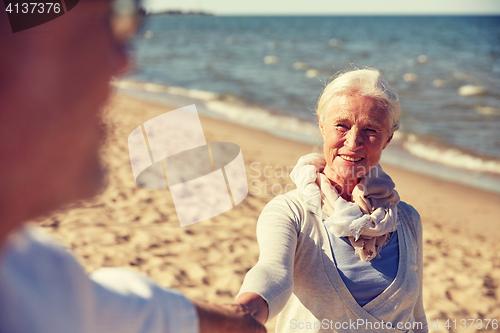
(344, 187)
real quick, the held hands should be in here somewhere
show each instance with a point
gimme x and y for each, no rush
(226, 318)
(255, 305)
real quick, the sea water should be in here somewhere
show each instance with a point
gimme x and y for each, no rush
(267, 72)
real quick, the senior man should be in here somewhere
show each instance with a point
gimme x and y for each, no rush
(53, 81)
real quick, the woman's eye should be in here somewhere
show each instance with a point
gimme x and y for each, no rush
(341, 126)
(370, 130)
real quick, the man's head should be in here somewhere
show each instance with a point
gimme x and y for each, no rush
(54, 79)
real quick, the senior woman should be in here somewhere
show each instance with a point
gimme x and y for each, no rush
(342, 252)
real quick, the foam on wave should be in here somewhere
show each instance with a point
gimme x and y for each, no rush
(235, 110)
(450, 156)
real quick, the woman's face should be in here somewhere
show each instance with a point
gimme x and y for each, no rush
(355, 132)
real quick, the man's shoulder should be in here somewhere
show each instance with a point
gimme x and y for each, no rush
(34, 254)
(32, 240)
(39, 279)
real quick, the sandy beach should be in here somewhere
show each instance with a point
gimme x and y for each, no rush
(127, 226)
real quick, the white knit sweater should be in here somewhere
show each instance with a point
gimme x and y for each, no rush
(297, 276)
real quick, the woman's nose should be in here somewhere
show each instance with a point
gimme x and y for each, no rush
(353, 140)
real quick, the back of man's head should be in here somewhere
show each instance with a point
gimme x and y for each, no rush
(54, 79)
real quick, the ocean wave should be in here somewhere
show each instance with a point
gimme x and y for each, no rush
(235, 110)
(263, 119)
(450, 156)
(159, 88)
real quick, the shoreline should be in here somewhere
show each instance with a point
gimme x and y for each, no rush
(405, 151)
(130, 227)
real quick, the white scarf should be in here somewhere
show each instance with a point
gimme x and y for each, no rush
(368, 221)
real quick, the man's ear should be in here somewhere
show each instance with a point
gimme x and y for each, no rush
(388, 140)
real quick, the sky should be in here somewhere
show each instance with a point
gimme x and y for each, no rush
(328, 7)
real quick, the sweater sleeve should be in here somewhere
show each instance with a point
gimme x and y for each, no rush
(418, 310)
(277, 232)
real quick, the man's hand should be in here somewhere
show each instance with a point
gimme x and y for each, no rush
(227, 318)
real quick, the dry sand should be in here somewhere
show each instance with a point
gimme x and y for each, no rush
(127, 226)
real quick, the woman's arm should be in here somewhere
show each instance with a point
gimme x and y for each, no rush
(268, 286)
(418, 311)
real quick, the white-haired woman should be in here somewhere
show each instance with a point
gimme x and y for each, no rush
(342, 252)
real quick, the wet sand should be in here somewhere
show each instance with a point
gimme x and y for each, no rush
(127, 226)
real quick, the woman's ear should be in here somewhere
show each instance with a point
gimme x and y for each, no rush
(321, 128)
(388, 140)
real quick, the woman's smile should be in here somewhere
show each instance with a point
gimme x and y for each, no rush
(351, 159)
(355, 131)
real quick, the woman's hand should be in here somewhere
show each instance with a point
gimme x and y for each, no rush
(255, 305)
(226, 318)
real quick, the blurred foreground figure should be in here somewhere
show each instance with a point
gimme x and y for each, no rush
(53, 82)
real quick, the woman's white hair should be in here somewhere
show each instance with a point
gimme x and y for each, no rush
(367, 82)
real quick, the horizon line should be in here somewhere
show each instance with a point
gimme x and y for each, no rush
(328, 14)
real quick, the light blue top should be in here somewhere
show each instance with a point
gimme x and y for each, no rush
(365, 279)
